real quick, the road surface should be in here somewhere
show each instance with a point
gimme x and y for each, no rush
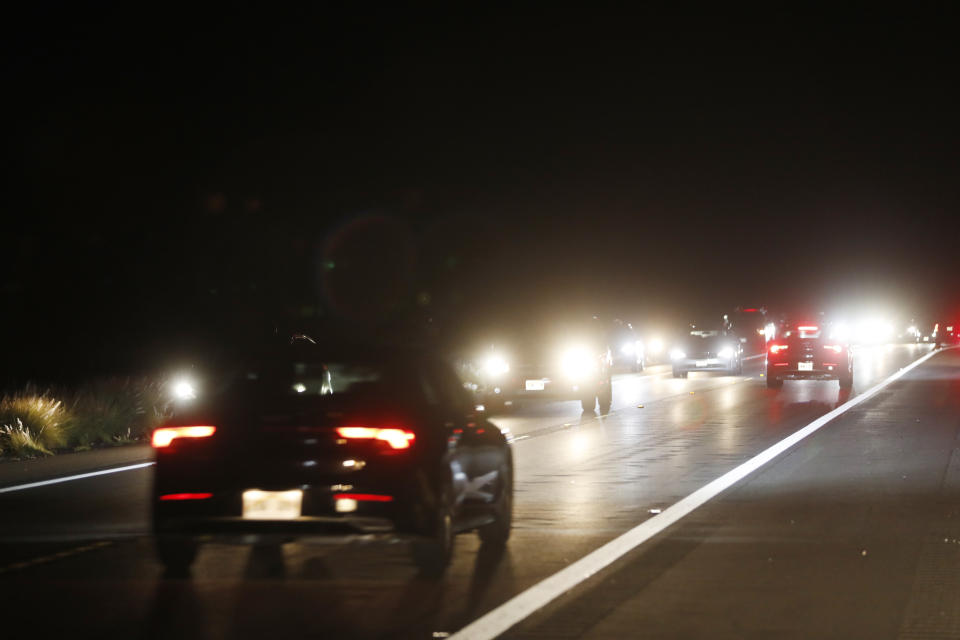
(851, 532)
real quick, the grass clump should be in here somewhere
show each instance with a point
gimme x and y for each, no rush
(115, 411)
(32, 424)
(101, 413)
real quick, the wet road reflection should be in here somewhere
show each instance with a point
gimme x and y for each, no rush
(581, 480)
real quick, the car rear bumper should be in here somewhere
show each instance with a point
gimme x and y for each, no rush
(703, 364)
(552, 390)
(790, 371)
(238, 528)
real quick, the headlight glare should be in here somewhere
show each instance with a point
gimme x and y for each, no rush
(677, 354)
(496, 365)
(183, 389)
(578, 363)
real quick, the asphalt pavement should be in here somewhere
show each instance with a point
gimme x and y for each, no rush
(837, 537)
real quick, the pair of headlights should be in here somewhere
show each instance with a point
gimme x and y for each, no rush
(575, 362)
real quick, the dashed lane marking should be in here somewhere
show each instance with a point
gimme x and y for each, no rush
(60, 555)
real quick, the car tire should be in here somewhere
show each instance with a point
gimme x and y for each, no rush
(846, 380)
(588, 404)
(497, 532)
(677, 373)
(605, 398)
(773, 382)
(176, 554)
(432, 553)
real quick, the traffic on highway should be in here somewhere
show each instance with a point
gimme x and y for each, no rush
(374, 321)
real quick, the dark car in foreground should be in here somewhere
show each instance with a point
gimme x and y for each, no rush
(706, 347)
(808, 351)
(307, 441)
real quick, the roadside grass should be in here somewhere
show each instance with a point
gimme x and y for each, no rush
(104, 412)
(31, 423)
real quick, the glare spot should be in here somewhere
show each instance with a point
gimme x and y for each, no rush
(184, 390)
(299, 387)
(346, 505)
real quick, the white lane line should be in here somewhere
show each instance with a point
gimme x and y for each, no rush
(44, 483)
(539, 595)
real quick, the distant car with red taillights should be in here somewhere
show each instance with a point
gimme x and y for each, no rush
(947, 333)
(808, 351)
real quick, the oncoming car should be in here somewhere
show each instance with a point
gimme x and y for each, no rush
(306, 441)
(808, 351)
(706, 347)
(547, 366)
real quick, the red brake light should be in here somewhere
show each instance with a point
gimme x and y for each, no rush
(186, 496)
(396, 438)
(833, 347)
(364, 497)
(163, 436)
(777, 348)
(808, 327)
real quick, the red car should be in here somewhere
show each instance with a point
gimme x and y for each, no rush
(806, 351)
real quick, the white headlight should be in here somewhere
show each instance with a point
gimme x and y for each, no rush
(840, 332)
(677, 354)
(496, 365)
(183, 389)
(578, 362)
(725, 352)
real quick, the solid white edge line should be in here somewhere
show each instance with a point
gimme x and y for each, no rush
(44, 483)
(501, 619)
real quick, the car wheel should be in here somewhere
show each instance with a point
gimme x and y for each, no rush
(846, 380)
(677, 373)
(498, 532)
(588, 404)
(773, 382)
(176, 554)
(605, 399)
(432, 554)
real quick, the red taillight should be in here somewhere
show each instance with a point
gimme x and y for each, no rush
(808, 327)
(777, 348)
(396, 438)
(163, 436)
(186, 496)
(364, 497)
(833, 347)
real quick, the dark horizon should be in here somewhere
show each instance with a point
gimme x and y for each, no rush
(169, 173)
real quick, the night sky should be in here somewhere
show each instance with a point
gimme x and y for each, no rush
(178, 170)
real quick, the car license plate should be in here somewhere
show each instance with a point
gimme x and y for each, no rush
(534, 385)
(272, 505)
(805, 366)
(703, 363)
